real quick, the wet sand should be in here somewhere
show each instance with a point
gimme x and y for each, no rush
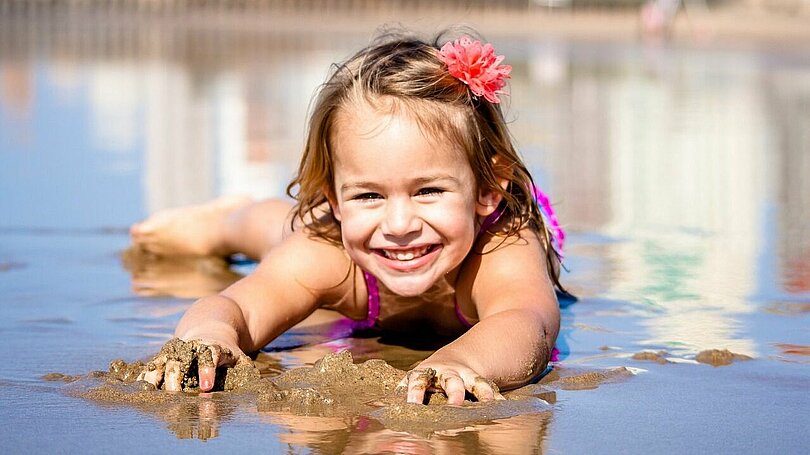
(335, 386)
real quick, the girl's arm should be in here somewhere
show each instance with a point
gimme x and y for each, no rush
(519, 322)
(291, 282)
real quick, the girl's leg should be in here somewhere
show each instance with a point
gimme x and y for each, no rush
(221, 227)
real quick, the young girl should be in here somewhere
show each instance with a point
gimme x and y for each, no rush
(414, 213)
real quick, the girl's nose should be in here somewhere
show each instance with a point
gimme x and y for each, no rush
(400, 218)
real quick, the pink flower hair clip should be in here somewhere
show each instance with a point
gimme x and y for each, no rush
(477, 66)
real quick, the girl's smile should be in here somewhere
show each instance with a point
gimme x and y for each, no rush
(408, 259)
(406, 203)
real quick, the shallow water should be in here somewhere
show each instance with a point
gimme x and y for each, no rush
(682, 175)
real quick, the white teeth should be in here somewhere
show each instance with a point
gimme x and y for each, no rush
(405, 255)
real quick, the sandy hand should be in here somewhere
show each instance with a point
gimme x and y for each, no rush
(454, 382)
(173, 367)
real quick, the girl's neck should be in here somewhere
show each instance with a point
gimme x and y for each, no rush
(443, 287)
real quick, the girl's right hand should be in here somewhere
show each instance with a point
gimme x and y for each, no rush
(171, 365)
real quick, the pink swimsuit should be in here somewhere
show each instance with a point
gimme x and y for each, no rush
(558, 238)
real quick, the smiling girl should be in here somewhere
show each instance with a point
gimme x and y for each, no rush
(414, 213)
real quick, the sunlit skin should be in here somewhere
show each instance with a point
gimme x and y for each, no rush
(410, 213)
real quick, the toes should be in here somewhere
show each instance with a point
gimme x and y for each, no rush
(136, 230)
(141, 232)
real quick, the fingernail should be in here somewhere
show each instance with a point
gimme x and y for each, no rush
(205, 384)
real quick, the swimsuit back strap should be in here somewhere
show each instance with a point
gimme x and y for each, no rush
(558, 234)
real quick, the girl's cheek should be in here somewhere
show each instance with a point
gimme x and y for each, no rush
(355, 222)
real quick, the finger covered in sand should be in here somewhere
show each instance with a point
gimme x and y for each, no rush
(192, 365)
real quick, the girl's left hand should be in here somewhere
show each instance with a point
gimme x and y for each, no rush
(454, 380)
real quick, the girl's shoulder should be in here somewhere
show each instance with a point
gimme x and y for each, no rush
(502, 246)
(311, 262)
(505, 264)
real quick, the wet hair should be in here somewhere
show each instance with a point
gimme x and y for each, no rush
(401, 73)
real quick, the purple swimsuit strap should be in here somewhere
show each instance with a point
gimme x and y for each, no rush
(373, 303)
(558, 234)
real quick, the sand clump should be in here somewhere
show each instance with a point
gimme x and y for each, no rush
(580, 379)
(718, 358)
(713, 357)
(123, 382)
(59, 377)
(185, 358)
(334, 385)
(659, 357)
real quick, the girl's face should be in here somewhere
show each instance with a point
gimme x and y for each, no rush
(407, 204)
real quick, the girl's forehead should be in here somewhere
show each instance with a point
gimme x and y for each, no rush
(382, 148)
(368, 119)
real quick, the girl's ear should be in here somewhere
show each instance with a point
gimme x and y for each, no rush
(490, 198)
(330, 196)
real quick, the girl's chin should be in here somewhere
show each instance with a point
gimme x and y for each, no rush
(406, 284)
(410, 288)
(405, 278)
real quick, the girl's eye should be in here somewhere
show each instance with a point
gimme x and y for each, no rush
(430, 191)
(367, 197)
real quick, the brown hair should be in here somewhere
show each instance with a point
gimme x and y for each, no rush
(399, 71)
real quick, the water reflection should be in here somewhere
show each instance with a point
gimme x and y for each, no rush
(183, 277)
(523, 434)
(788, 91)
(202, 418)
(675, 163)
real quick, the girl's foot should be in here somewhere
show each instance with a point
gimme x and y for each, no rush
(194, 230)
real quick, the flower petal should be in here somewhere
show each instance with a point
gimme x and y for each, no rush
(477, 66)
